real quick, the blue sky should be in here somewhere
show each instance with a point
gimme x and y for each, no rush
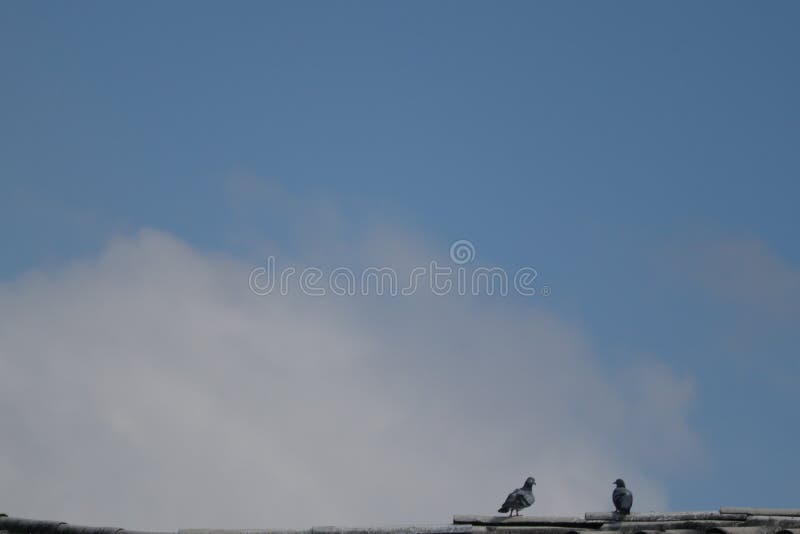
(641, 156)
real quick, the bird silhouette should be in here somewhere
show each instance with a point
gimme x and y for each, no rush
(622, 497)
(519, 498)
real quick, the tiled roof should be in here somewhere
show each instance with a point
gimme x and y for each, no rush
(725, 521)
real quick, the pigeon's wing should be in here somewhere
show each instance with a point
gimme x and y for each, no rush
(627, 501)
(623, 499)
(510, 502)
(617, 496)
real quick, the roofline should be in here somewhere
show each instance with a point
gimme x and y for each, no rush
(728, 520)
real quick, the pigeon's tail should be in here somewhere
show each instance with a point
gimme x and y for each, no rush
(503, 510)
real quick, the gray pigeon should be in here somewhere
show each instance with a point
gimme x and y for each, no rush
(622, 497)
(519, 498)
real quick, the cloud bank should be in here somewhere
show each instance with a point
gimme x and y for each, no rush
(746, 270)
(147, 387)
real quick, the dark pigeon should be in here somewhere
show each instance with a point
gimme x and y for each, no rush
(519, 498)
(622, 497)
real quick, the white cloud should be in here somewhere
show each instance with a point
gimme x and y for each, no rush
(742, 269)
(746, 269)
(148, 388)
